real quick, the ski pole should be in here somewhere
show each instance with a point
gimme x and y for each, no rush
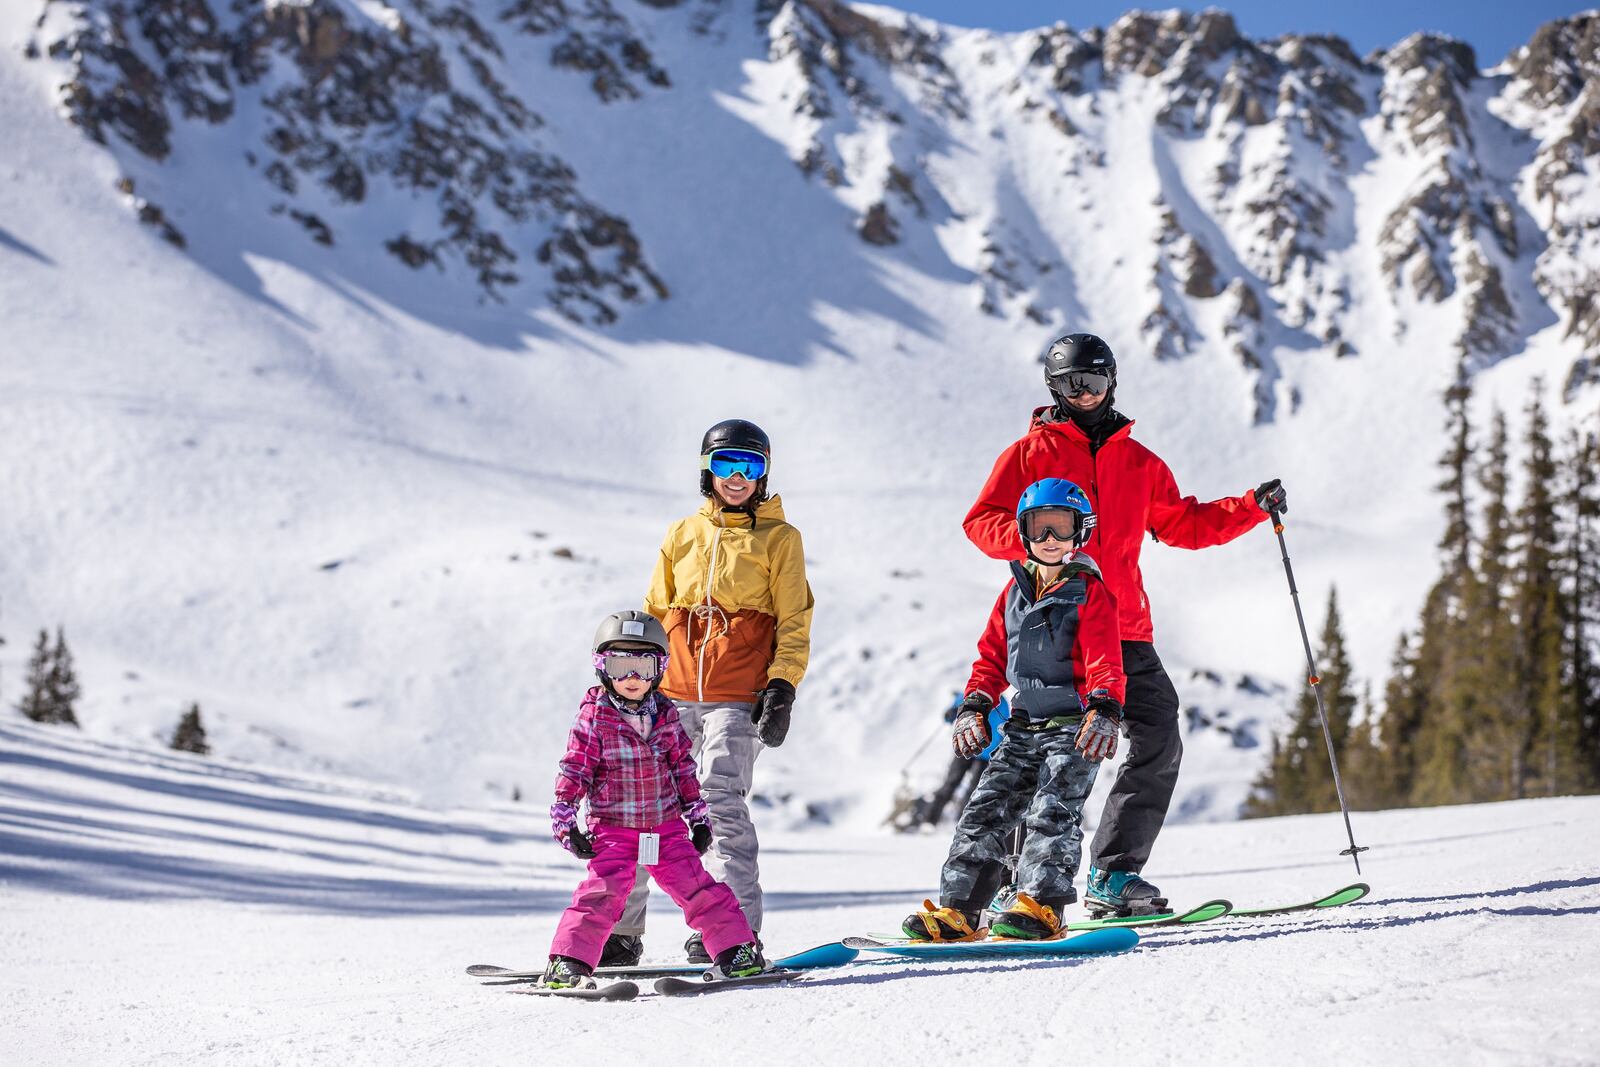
(937, 729)
(1354, 851)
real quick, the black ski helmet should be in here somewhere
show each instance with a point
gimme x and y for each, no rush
(1080, 352)
(736, 433)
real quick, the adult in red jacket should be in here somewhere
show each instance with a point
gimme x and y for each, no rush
(1082, 438)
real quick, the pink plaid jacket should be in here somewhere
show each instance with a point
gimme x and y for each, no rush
(628, 780)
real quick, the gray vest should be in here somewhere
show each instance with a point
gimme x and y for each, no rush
(1040, 635)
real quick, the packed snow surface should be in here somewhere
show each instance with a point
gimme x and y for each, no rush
(160, 909)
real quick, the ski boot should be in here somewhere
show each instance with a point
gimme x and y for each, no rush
(1029, 920)
(941, 924)
(564, 972)
(695, 949)
(1122, 893)
(740, 961)
(622, 950)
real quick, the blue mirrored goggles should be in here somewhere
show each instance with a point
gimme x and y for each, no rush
(726, 462)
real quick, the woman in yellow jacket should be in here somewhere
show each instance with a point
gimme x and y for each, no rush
(730, 588)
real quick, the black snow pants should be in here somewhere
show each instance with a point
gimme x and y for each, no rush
(1142, 791)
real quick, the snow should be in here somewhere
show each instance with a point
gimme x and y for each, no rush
(160, 908)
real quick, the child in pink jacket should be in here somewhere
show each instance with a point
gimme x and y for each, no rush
(629, 756)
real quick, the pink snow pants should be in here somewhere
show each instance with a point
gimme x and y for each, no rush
(708, 906)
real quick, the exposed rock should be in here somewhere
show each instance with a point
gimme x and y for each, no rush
(351, 103)
(1561, 61)
(878, 227)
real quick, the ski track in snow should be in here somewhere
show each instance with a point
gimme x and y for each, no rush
(163, 909)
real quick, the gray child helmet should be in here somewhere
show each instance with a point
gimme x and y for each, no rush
(630, 627)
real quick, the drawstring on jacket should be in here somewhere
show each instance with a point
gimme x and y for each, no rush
(707, 612)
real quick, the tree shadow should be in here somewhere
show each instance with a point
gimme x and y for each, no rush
(79, 868)
(13, 243)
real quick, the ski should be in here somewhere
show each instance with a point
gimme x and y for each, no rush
(1211, 909)
(832, 954)
(1088, 943)
(690, 987)
(609, 991)
(1348, 895)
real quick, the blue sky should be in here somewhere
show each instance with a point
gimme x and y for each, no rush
(1492, 27)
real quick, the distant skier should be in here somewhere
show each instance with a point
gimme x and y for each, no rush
(1082, 437)
(730, 587)
(1053, 637)
(629, 756)
(963, 773)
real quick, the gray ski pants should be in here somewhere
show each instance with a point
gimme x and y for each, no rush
(1040, 780)
(725, 748)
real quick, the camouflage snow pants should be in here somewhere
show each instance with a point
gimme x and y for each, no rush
(1038, 779)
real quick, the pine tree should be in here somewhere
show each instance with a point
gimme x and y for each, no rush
(1583, 600)
(63, 682)
(1542, 759)
(190, 736)
(1487, 691)
(1406, 705)
(36, 702)
(1441, 738)
(1298, 777)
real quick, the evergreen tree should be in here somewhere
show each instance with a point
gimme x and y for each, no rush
(1406, 705)
(1584, 568)
(1441, 727)
(36, 701)
(63, 682)
(190, 736)
(1487, 691)
(1542, 758)
(1298, 777)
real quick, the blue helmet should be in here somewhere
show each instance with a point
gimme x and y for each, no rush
(1062, 494)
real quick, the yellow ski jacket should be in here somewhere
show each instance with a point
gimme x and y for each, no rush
(735, 603)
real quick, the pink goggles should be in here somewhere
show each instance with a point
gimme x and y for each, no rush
(619, 666)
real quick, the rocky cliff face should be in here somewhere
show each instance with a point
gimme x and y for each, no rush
(343, 116)
(1270, 198)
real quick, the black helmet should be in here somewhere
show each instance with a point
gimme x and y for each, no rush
(736, 433)
(1078, 351)
(1081, 353)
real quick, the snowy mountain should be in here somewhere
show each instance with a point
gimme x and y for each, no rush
(356, 352)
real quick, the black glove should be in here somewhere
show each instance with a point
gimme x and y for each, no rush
(771, 713)
(1102, 721)
(700, 834)
(1273, 497)
(972, 734)
(579, 844)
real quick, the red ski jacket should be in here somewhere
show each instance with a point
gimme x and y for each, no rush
(1133, 492)
(1054, 646)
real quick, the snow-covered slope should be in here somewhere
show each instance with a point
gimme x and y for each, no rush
(156, 908)
(359, 364)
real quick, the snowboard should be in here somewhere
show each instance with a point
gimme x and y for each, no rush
(1087, 943)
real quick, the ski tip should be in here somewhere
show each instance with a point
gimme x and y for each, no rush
(859, 943)
(481, 970)
(1349, 894)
